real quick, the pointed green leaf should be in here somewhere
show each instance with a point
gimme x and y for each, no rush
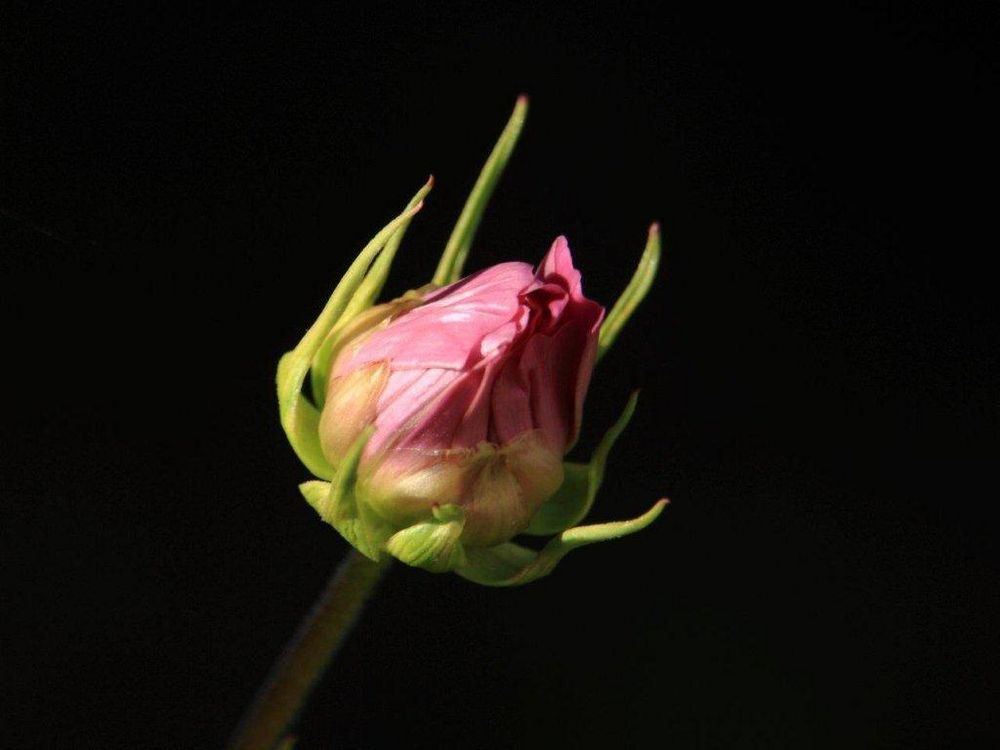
(337, 503)
(512, 565)
(575, 497)
(363, 298)
(370, 289)
(334, 501)
(432, 545)
(634, 293)
(457, 250)
(299, 418)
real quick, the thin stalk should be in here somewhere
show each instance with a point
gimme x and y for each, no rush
(308, 653)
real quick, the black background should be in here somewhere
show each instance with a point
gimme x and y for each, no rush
(179, 191)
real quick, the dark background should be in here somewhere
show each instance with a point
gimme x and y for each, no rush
(179, 191)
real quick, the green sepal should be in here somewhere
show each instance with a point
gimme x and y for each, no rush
(568, 505)
(457, 250)
(511, 564)
(363, 298)
(497, 566)
(337, 504)
(574, 498)
(300, 418)
(432, 545)
(634, 293)
(316, 493)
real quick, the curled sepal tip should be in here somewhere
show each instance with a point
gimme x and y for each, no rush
(300, 418)
(576, 495)
(511, 564)
(634, 293)
(457, 250)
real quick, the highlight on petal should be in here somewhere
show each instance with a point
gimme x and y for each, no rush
(447, 329)
(634, 293)
(457, 250)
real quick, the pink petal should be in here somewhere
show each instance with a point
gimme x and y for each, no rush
(557, 266)
(448, 329)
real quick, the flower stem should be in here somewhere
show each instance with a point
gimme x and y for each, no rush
(308, 653)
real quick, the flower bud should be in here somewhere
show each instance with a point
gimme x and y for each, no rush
(474, 396)
(440, 420)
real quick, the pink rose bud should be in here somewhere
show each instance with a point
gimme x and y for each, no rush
(438, 422)
(475, 395)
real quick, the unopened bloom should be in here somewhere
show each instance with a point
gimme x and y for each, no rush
(475, 395)
(440, 419)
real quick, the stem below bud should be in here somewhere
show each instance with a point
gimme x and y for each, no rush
(308, 653)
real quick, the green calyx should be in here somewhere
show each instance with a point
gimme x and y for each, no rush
(435, 542)
(511, 564)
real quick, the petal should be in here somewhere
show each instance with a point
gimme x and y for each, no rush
(511, 404)
(351, 406)
(557, 267)
(439, 424)
(558, 367)
(409, 392)
(449, 329)
(404, 486)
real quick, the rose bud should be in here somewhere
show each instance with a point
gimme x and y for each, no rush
(474, 396)
(440, 420)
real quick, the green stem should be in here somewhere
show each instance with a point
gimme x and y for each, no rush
(308, 653)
